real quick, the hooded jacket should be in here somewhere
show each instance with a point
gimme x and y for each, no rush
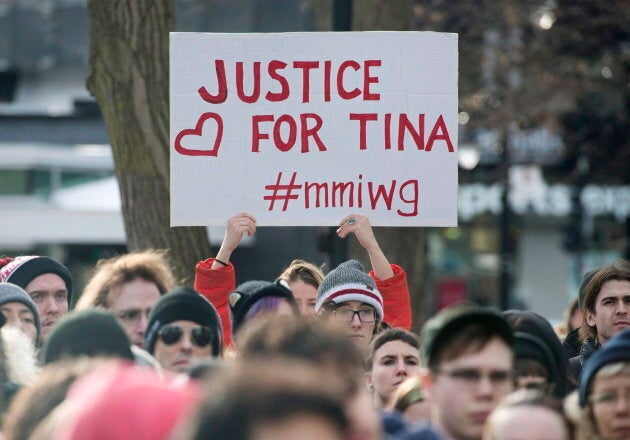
(535, 338)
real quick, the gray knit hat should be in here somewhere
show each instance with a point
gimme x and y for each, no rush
(349, 282)
(10, 292)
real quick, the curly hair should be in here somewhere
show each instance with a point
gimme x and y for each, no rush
(149, 265)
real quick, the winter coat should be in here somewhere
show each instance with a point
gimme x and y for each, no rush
(216, 284)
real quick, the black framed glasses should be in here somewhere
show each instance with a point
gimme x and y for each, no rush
(347, 315)
(170, 334)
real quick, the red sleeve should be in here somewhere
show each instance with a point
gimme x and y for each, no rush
(214, 285)
(396, 302)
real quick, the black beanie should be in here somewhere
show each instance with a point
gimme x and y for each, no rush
(89, 332)
(247, 294)
(22, 270)
(183, 303)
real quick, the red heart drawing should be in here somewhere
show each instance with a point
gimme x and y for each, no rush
(197, 131)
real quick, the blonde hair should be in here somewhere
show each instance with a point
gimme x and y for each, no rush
(150, 265)
(300, 270)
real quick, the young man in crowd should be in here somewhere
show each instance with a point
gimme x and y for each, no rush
(47, 281)
(467, 352)
(183, 327)
(606, 308)
(128, 286)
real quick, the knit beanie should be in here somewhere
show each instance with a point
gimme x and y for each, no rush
(90, 332)
(243, 298)
(10, 292)
(616, 349)
(349, 282)
(22, 270)
(183, 303)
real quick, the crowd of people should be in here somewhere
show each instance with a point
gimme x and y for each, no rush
(305, 356)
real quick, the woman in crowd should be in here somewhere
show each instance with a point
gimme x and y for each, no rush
(254, 299)
(303, 278)
(215, 277)
(600, 408)
(20, 311)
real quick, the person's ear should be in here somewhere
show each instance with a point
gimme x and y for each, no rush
(369, 384)
(590, 317)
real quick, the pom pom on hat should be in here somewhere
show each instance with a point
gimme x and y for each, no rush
(349, 282)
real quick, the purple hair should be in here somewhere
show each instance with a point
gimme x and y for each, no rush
(267, 304)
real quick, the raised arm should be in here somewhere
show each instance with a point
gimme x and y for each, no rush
(215, 277)
(391, 280)
(359, 225)
(237, 226)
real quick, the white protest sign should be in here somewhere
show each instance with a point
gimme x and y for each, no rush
(303, 129)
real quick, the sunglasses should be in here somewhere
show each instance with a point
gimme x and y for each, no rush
(170, 334)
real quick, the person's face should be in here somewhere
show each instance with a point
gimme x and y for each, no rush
(20, 316)
(464, 391)
(531, 374)
(131, 302)
(393, 362)
(610, 401)
(305, 295)
(50, 295)
(526, 423)
(353, 325)
(179, 355)
(612, 309)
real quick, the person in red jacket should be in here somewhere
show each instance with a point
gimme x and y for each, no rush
(215, 277)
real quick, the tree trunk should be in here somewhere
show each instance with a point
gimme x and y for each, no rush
(129, 59)
(403, 246)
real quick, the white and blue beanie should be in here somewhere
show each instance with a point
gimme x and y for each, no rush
(349, 282)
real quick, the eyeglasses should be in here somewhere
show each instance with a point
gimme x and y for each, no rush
(132, 316)
(470, 377)
(171, 334)
(347, 315)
